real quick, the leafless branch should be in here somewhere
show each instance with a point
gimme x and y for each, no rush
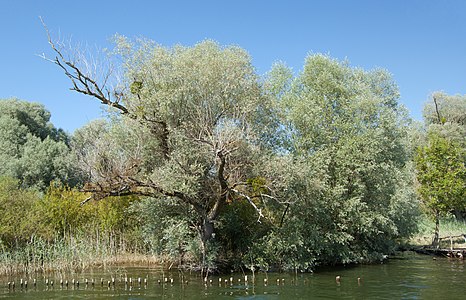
(81, 82)
(437, 110)
(86, 200)
(249, 199)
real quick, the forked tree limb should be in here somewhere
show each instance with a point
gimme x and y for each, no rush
(83, 83)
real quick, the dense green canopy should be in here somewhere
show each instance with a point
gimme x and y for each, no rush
(348, 191)
(31, 148)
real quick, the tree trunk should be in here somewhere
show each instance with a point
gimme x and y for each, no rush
(206, 230)
(435, 241)
(459, 215)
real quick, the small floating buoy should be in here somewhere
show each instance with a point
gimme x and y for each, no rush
(278, 281)
(145, 281)
(283, 280)
(171, 280)
(359, 280)
(26, 284)
(265, 281)
(47, 282)
(61, 282)
(34, 282)
(159, 281)
(338, 279)
(51, 282)
(66, 283)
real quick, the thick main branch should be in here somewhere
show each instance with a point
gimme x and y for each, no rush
(222, 198)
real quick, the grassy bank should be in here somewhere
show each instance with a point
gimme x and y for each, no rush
(449, 226)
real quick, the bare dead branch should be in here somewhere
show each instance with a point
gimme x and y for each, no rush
(81, 82)
(249, 199)
(86, 200)
(437, 110)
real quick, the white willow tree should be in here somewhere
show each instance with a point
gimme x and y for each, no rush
(185, 126)
(350, 192)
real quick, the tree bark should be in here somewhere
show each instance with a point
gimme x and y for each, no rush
(435, 241)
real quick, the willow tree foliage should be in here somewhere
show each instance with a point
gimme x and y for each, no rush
(185, 128)
(31, 148)
(347, 166)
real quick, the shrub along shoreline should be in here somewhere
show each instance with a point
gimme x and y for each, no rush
(53, 232)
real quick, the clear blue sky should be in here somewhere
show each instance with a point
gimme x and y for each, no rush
(422, 43)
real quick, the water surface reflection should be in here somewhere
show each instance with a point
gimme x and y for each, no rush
(408, 276)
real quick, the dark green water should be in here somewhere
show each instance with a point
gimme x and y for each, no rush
(408, 276)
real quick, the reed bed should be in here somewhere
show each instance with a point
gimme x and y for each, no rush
(71, 254)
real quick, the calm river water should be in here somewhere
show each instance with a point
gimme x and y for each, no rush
(408, 276)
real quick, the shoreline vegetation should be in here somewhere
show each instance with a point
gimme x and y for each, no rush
(202, 163)
(78, 254)
(68, 261)
(449, 226)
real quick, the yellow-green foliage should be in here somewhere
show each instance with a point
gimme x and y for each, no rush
(112, 213)
(58, 214)
(61, 212)
(16, 221)
(55, 232)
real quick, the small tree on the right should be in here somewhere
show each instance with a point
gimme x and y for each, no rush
(440, 161)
